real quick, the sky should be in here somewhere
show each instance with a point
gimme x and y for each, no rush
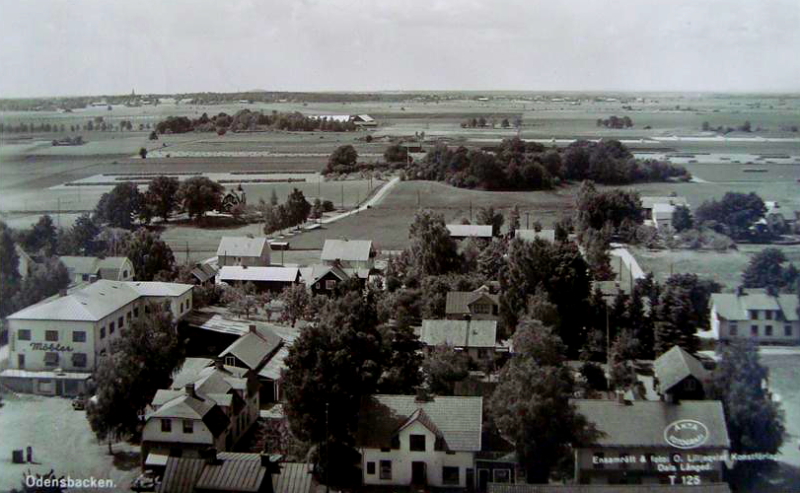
(94, 47)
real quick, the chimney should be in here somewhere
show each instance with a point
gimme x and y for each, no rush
(190, 390)
(210, 455)
(219, 364)
(252, 328)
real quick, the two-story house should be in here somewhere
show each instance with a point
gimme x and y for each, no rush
(477, 338)
(411, 440)
(54, 345)
(349, 254)
(85, 269)
(680, 376)
(476, 305)
(243, 250)
(646, 442)
(252, 351)
(756, 314)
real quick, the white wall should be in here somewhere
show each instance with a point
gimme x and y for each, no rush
(721, 329)
(152, 432)
(34, 358)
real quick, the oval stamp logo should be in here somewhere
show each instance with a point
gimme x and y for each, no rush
(686, 434)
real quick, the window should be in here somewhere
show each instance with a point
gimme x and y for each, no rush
(181, 308)
(102, 332)
(125, 274)
(24, 335)
(84, 277)
(450, 476)
(188, 304)
(78, 336)
(501, 475)
(386, 469)
(768, 330)
(111, 327)
(416, 443)
(370, 468)
(136, 312)
(51, 359)
(51, 335)
(597, 460)
(787, 330)
(483, 353)
(734, 329)
(166, 425)
(188, 426)
(330, 284)
(230, 360)
(768, 314)
(121, 322)
(129, 315)
(385, 449)
(21, 361)
(753, 314)
(79, 360)
(481, 308)
(754, 330)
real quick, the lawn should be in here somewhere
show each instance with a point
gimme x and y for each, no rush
(61, 440)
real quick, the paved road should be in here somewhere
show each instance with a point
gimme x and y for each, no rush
(372, 202)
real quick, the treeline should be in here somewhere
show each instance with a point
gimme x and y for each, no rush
(615, 122)
(482, 122)
(251, 120)
(519, 165)
(96, 124)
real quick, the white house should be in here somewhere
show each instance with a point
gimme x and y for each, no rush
(351, 254)
(464, 231)
(85, 269)
(478, 338)
(657, 211)
(243, 250)
(54, 344)
(405, 440)
(755, 314)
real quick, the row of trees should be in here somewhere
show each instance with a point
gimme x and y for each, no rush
(615, 122)
(245, 119)
(294, 212)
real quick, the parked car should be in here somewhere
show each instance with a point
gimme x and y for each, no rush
(147, 481)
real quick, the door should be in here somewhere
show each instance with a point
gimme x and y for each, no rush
(418, 473)
(483, 479)
(59, 387)
(470, 479)
(21, 361)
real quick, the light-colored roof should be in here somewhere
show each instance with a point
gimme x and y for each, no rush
(258, 274)
(160, 289)
(458, 302)
(532, 234)
(91, 303)
(347, 250)
(272, 370)
(233, 472)
(663, 211)
(459, 333)
(675, 365)
(458, 419)
(649, 202)
(253, 348)
(731, 306)
(241, 246)
(642, 423)
(91, 265)
(295, 477)
(467, 230)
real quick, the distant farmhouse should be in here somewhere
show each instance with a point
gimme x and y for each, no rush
(274, 279)
(758, 315)
(243, 250)
(657, 211)
(54, 345)
(84, 269)
(353, 254)
(464, 231)
(359, 120)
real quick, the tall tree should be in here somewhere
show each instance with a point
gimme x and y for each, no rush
(401, 374)
(734, 214)
(443, 367)
(676, 324)
(121, 206)
(432, 248)
(765, 270)
(150, 255)
(162, 196)
(682, 218)
(200, 195)
(43, 237)
(45, 279)
(531, 404)
(295, 301)
(297, 207)
(487, 215)
(343, 158)
(9, 270)
(81, 238)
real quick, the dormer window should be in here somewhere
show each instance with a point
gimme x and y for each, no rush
(417, 443)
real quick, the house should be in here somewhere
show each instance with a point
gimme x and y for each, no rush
(645, 442)
(274, 279)
(349, 254)
(778, 219)
(294, 477)
(54, 345)
(464, 231)
(532, 234)
(364, 121)
(222, 472)
(680, 376)
(755, 314)
(204, 273)
(412, 440)
(84, 269)
(478, 338)
(243, 250)
(322, 278)
(476, 305)
(212, 406)
(662, 215)
(252, 351)
(657, 211)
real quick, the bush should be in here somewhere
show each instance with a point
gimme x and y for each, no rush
(327, 206)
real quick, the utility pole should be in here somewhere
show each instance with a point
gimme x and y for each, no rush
(342, 195)
(470, 211)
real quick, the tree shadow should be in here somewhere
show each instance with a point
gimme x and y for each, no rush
(127, 461)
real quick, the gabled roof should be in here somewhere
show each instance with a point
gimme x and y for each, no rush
(458, 419)
(314, 273)
(258, 274)
(253, 348)
(241, 246)
(347, 250)
(459, 333)
(663, 211)
(90, 303)
(642, 423)
(195, 407)
(231, 472)
(532, 234)
(420, 416)
(731, 306)
(203, 272)
(160, 289)
(648, 202)
(675, 365)
(458, 302)
(467, 230)
(295, 477)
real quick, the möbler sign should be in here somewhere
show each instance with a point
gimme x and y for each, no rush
(686, 434)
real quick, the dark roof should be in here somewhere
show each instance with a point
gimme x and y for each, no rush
(604, 488)
(204, 272)
(458, 301)
(675, 365)
(233, 472)
(457, 419)
(181, 475)
(295, 477)
(253, 348)
(642, 423)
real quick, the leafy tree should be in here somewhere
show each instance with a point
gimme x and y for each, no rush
(432, 248)
(150, 255)
(330, 368)
(199, 195)
(297, 207)
(491, 260)
(623, 351)
(733, 215)
(754, 419)
(443, 367)
(81, 239)
(682, 218)
(143, 153)
(765, 270)
(699, 292)
(531, 404)
(396, 153)
(487, 215)
(401, 373)
(240, 299)
(162, 196)
(45, 279)
(676, 324)
(342, 159)
(120, 206)
(153, 135)
(295, 300)
(43, 237)
(9, 270)
(513, 219)
(316, 209)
